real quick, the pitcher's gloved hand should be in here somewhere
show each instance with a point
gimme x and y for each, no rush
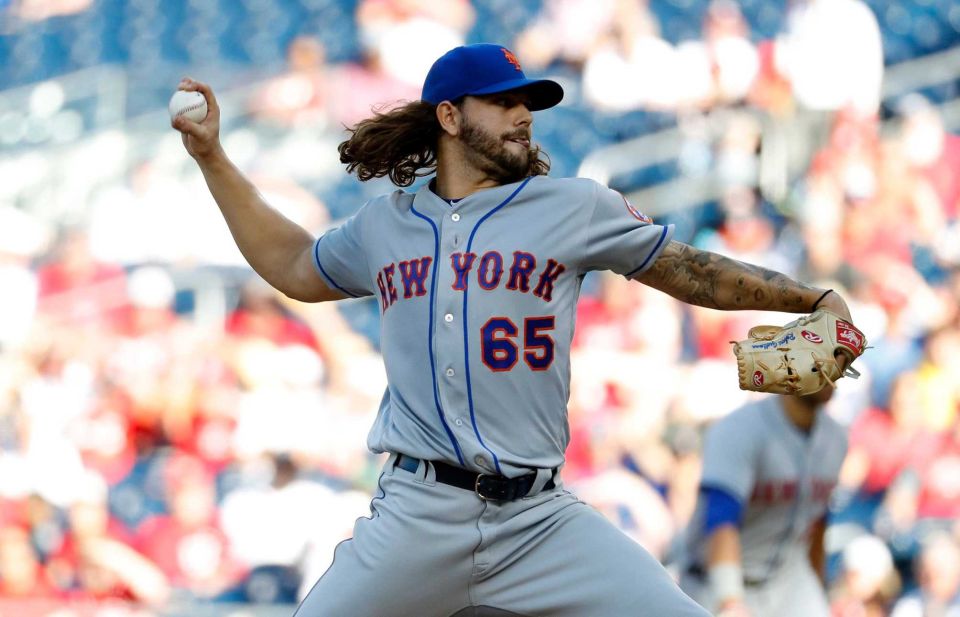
(799, 358)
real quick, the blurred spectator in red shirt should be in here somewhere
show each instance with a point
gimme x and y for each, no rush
(931, 150)
(261, 315)
(76, 288)
(885, 443)
(95, 559)
(938, 495)
(104, 436)
(188, 544)
(21, 573)
(771, 89)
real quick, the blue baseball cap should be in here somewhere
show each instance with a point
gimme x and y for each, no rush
(485, 69)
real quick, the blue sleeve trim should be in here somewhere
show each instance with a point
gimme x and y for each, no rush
(316, 262)
(722, 508)
(655, 251)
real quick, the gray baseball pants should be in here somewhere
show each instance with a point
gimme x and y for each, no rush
(433, 550)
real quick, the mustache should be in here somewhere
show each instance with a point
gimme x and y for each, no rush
(521, 134)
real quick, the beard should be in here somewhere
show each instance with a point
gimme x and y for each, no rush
(489, 153)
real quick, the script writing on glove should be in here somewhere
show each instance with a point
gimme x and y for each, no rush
(800, 357)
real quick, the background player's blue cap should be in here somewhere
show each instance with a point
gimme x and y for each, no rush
(485, 69)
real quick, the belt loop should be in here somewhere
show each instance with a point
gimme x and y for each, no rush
(427, 473)
(391, 463)
(543, 476)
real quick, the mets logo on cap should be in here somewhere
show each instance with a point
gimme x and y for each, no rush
(511, 58)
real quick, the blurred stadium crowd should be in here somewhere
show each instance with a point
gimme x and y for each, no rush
(177, 438)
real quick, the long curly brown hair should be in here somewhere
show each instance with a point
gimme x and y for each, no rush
(402, 143)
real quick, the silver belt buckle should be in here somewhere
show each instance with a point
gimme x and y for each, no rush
(476, 487)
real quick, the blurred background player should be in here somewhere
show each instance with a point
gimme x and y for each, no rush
(756, 540)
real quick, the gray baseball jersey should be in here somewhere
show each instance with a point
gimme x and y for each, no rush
(478, 301)
(782, 477)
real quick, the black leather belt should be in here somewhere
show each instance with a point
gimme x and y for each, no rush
(486, 486)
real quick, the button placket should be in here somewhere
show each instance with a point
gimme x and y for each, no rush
(449, 340)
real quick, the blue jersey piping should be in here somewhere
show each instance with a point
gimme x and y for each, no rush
(466, 350)
(663, 234)
(433, 366)
(316, 260)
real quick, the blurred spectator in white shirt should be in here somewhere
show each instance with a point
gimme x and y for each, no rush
(406, 36)
(298, 96)
(720, 68)
(567, 31)
(21, 239)
(292, 505)
(832, 53)
(868, 579)
(938, 570)
(630, 66)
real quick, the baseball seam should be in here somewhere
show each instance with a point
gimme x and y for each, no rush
(191, 108)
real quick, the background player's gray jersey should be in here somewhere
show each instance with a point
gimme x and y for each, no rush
(478, 311)
(782, 476)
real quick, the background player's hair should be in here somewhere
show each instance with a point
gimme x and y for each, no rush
(402, 143)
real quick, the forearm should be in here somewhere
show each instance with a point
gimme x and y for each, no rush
(817, 553)
(723, 546)
(723, 562)
(714, 281)
(276, 247)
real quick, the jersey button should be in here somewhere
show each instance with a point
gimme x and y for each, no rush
(448, 317)
(479, 460)
(449, 372)
(458, 422)
(455, 217)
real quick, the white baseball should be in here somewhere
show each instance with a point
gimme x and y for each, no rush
(188, 103)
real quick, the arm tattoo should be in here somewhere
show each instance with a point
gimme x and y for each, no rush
(714, 281)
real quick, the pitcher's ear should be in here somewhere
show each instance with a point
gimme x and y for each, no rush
(449, 116)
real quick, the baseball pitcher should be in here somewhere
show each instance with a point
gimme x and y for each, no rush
(477, 276)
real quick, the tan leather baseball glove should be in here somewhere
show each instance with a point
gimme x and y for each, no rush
(798, 358)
